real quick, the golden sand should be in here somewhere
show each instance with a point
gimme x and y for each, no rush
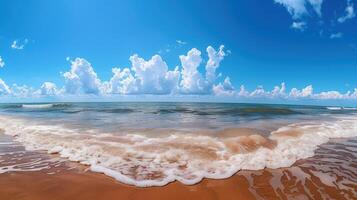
(330, 174)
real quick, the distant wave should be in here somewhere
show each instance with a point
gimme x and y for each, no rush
(37, 105)
(116, 110)
(340, 108)
(42, 106)
(231, 111)
(349, 108)
(334, 108)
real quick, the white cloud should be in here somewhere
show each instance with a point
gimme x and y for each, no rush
(4, 89)
(316, 4)
(259, 92)
(122, 82)
(349, 12)
(144, 77)
(224, 89)
(336, 35)
(180, 42)
(214, 60)
(305, 92)
(2, 62)
(82, 78)
(298, 8)
(48, 88)
(332, 95)
(243, 92)
(279, 91)
(22, 91)
(154, 77)
(354, 94)
(18, 44)
(299, 26)
(148, 76)
(191, 81)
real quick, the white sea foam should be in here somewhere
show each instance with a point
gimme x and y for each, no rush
(145, 161)
(341, 108)
(349, 108)
(334, 108)
(37, 105)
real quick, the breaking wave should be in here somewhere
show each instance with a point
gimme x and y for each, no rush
(37, 105)
(155, 161)
(341, 108)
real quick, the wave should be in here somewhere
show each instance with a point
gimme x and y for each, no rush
(47, 105)
(231, 111)
(334, 108)
(341, 108)
(349, 108)
(155, 161)
(37, 105)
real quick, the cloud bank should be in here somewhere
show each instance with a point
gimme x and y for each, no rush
(194, 76)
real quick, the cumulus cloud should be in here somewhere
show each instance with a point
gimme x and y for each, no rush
(148, 76)
(332, 95)
(145, 77)
(22, 91)
(2, 62)
(191, 81)
(214, 60)
(279, 91)
(243, 92)
(122, 82)
(299, 26)
(336, 35)
(19, 44)
(298, 8)
(305, 92)
(48, 88)
(82, 78)
(4, 88)
(259, 92)
(153, 76)
(349, 12)
(224, 89)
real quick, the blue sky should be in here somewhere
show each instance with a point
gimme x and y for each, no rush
(261, 46)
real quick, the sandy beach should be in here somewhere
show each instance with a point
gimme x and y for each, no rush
(178, 100)
(319, 177)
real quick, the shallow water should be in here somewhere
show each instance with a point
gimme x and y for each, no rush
(152, 144)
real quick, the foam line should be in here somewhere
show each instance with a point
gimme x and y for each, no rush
(155, 161)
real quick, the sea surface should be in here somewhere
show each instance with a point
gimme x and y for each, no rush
(153, 144)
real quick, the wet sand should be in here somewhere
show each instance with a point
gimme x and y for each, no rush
(330, 174)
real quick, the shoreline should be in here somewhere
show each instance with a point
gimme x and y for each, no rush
(311, 178)
(246, 185)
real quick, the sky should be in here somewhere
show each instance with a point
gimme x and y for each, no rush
(272, 51)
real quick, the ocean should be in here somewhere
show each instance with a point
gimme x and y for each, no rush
(153, 144)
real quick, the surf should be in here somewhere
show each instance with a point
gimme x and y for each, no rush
(144, 161)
